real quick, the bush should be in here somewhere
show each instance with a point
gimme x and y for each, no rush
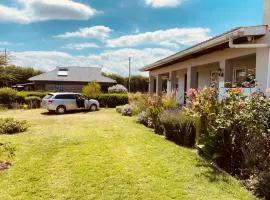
(92, 90)
(154, 110)
(11, 126)
(112, 100)
(127, 110)
(119, 109)
(234, 132)
(263, 185)
(178, 127)
(117, 89)
(7, 96)
(7, 151)
(33, 102)
(24, 94)
(139, 101)
(143, 118)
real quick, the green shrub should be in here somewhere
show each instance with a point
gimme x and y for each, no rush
(24, 94)
(33, 102)
(112, 100)
(154, 110)
(7, 151)
(11, 126)
(93, 90)
(178, 127)
(7, 96)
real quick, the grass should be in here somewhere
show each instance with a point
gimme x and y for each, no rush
(103, 155)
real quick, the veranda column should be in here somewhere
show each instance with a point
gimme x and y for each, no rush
(151, 85)
(159, 86)
(263, 68)
(191, 78)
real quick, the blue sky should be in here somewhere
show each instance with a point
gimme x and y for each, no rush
(47, 33)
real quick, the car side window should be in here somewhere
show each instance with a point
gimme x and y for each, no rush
(65, 96)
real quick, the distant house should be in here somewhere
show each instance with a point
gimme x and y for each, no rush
(70, 79)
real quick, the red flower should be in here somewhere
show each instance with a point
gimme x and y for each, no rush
(192, 93)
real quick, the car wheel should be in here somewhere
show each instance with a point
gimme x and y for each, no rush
(93, 107)
(61, 110)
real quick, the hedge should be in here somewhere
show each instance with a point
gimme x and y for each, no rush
(112, 100)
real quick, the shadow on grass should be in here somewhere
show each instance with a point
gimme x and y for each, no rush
(211, 171)
(67, 113)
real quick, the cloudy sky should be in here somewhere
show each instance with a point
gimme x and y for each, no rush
(48, 33)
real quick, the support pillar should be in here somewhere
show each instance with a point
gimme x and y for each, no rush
(263, 68)
(151, 85)
(191, 78)
(159, 86)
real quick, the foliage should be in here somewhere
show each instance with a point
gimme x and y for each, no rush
(31, 93)
(234, 131)
(11, 75)
(154, 110)
(7, 96)
(139, 100)
(119, 109)
(117, 89)
(138, 83)
(127, 110)
(168, 102)
(178, 127)
(7, 151)
(143, 118)
(92, 90)
(33, 101)
(12, 126)
(112, 100)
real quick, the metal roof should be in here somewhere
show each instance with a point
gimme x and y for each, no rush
(75, 74)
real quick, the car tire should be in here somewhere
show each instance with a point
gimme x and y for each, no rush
(61, 110)
(93, 107)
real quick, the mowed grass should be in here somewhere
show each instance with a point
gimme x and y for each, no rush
(103, 155)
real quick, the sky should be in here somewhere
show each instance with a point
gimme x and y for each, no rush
(44, 34)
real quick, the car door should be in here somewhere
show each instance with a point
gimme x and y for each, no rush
(70, 102)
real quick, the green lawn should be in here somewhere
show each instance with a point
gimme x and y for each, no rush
(103, 155)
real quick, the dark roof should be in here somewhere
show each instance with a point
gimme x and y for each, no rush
(75, 74)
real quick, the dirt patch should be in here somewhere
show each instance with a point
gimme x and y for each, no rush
(4, 165)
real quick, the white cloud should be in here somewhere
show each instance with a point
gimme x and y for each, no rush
(42, 10)
(112, 61)
(94, 32)
(80, 46)
(163, 3)
(4, 43)
(169, 38)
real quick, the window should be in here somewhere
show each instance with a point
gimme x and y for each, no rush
(66, 96)
(59, 88)
(243, 77)
(62, 72)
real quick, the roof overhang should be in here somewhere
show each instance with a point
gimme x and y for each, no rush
(219, 42)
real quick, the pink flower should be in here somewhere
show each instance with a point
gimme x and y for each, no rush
(192, 92)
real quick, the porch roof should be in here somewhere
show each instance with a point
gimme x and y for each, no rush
(219, 42)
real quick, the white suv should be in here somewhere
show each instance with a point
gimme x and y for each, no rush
(63, 102)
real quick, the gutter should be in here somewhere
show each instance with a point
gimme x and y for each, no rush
(245, 46)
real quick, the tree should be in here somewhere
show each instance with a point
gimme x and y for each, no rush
(92, 90)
